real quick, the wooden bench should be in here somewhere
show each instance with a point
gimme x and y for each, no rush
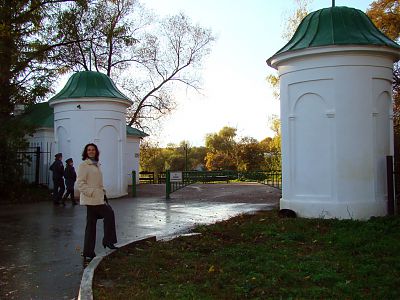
(146, 177)
(212, 178)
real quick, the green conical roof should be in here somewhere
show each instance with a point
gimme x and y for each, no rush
(89, 84)
(336, 26)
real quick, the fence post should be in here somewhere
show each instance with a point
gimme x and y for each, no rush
(37, 165)
(167, 184)
(389, 178)
(133, 183)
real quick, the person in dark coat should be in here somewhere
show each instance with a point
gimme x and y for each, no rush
(70, 178)
(57, 168)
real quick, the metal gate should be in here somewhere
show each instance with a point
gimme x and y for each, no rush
(35, 163)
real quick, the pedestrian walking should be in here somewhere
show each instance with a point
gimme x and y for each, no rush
(70, 178)
(92, 194)
(57, 168)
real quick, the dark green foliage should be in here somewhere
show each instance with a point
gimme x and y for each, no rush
(28, 47)
(12, 133)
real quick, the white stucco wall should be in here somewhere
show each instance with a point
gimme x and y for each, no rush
(78, 122)
(336, 118)
(43, 138)
(132, 158)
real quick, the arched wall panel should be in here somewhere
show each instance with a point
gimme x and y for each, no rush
(310, 132)
(63, 144)
(108, 142)
(382, 134)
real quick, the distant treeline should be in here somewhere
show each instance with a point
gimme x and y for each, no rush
(222, 151)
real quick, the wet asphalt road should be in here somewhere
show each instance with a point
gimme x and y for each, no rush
(41, 244)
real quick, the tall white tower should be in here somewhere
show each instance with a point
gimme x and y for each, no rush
(336, 115)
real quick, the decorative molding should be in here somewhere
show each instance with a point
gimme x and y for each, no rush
(330, 113)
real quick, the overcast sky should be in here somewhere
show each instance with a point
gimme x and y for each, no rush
(235, 91)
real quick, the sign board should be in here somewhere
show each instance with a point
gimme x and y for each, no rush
(175, 176)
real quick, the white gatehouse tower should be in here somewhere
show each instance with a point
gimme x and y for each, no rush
(336, 115)
(91, 109)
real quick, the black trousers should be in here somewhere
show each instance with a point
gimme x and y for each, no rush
(59, 189)
(70, 192)
(94, 212)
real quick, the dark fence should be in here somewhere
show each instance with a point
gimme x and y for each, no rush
(393, 185)
(271, 178)
(35, 162)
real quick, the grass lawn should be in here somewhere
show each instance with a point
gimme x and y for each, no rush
(261, 256)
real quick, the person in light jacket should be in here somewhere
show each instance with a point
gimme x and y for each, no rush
(92, 194)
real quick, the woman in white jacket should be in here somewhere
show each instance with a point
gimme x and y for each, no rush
(92, 194)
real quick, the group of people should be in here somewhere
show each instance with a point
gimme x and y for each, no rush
(92, 195)
(59, 174)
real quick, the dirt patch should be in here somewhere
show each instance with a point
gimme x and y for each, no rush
(219, 192)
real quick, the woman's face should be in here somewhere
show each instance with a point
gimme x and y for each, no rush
(91, 152)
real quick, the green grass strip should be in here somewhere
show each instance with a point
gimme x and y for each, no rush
(261, 256)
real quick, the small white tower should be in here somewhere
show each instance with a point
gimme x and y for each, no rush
(91, 109)
(336, 115)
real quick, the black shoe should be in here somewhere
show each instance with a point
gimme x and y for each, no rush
(88, 258)
(110, 246)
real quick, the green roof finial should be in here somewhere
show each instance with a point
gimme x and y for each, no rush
(333, 3)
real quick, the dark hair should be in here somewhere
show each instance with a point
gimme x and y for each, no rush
(84, 153)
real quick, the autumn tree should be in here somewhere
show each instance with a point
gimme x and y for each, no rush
(152, 157)
(221, 150)
(250, 155)
(148, 56)
(157, 159)
(271, 146)
(197, 157)
(176, 156)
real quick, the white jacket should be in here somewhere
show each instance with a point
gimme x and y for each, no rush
(90, 183)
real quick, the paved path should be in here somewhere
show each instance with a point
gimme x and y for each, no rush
(41, 244)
